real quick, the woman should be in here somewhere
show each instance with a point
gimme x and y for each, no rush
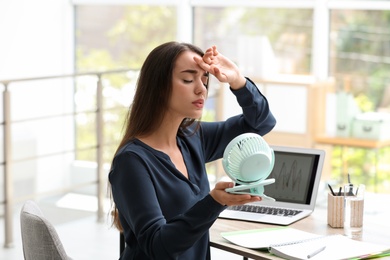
(158, 177)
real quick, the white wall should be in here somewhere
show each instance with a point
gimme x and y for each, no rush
(36, 38)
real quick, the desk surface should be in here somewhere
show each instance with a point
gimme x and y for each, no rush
(374, 231)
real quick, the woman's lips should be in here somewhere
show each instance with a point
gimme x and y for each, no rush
(199, 103)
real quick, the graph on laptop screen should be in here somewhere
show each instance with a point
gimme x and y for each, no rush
(294, 175)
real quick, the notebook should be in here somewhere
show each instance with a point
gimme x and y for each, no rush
(297, 173)
(294, 244)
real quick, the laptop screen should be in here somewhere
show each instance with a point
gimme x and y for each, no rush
(295, 175)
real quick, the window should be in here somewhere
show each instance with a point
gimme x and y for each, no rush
(110, 38)
(360, 55)
(261, 40)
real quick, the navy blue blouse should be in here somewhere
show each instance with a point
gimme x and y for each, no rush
(165, 215)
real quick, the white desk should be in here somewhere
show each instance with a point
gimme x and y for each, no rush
(374, 231)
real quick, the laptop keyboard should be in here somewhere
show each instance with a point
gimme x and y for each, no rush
(266, 210)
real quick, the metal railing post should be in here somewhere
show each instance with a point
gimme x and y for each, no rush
(99, 149)
(8, 183)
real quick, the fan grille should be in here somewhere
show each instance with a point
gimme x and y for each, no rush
(248, 158)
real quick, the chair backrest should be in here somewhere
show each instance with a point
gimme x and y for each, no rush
(39, 237)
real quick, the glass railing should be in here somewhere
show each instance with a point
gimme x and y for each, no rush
(58, 133)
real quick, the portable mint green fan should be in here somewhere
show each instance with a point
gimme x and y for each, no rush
(248, 161)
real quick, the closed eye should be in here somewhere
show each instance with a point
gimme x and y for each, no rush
(205, 79)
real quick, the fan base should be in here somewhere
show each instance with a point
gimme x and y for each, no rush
(256, 189)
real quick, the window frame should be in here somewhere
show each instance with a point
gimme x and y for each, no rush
(321, 18)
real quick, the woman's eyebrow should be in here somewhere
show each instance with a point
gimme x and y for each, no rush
(190, 71)
(205, 73)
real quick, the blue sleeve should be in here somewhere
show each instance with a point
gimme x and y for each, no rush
(256, 117)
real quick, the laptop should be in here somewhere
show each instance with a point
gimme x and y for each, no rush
(297, 173)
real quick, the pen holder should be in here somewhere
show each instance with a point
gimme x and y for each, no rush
(336, 211)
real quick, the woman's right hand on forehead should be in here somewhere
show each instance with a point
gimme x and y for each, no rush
(221, 67)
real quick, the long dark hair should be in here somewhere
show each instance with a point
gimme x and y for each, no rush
(154, 88)
(153, 92)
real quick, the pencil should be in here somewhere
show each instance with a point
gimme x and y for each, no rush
(316, 252)
(331, 190)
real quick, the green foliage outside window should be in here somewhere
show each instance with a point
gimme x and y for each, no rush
(360, 53)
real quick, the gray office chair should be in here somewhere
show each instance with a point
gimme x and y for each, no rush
(39, 237)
